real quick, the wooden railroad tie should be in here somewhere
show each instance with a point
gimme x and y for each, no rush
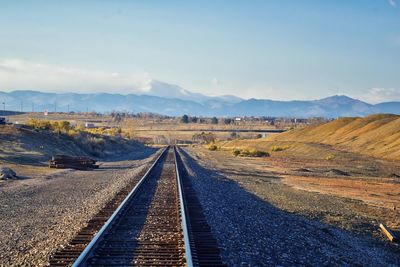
(389, 234)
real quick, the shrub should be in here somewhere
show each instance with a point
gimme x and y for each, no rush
(279, 148)
(236, 152)
(234, 135)
(203, 138)
(330, 157)
(258, 153)
(213, 147)
(39, 124)
(252, 153)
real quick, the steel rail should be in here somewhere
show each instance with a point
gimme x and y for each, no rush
(189, 261)
(89, 248)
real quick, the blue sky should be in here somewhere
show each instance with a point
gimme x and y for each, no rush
(261, 49)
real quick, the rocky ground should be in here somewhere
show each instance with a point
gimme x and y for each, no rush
(40, 214)
(260, 221)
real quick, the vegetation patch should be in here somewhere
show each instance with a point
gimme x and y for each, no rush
(330, 157)
(250, 153)
(94, 140)
(236, 152)
(279, 148)
(213, 147)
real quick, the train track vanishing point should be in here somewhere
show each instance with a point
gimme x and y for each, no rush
(159, 223)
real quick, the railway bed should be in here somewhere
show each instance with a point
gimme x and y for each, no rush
(159, 223)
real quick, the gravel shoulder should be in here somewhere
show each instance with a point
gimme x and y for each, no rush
(260, 221)
(41, 214)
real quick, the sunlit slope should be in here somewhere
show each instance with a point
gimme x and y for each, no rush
(376, 135)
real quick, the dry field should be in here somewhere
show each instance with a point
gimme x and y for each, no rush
(320, 177)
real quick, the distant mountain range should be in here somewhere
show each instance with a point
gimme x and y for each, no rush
(172, 100)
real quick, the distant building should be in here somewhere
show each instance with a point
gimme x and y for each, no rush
(90, 125)
(238, 119)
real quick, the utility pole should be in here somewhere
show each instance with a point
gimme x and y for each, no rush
(33, 109)
(22, 106)
(68, 108)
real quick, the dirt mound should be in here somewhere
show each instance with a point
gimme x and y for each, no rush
(25, 146)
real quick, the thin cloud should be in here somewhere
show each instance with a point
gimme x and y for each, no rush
(379, 95)
(216, 82)
(16, 74)
(392, 3)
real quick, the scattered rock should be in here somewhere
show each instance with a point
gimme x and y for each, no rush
(255, 231)
(7, 173)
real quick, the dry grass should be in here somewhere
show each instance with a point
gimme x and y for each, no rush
(376, 135)
(382, 194)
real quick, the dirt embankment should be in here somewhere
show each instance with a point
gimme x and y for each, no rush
(376, 135)
(28, 151)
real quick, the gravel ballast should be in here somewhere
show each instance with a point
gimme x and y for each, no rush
(42, 214)
(253, 232)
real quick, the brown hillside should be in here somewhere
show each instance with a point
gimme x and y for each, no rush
(376, 135)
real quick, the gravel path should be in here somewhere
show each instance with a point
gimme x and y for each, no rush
(39, 215)
(252, 232)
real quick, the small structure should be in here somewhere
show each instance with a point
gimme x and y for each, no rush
(2, 121)
(93, 123)
(90, 125)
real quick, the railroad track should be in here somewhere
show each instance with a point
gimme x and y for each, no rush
(159, 223)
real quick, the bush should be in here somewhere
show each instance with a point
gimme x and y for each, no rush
(213, 147)
(55, 126)
(250, 153)
(234, 135)
(330, 157)
(258, 153)
(39, 124)
(203, 138)
(236, 152)
(279, 148)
